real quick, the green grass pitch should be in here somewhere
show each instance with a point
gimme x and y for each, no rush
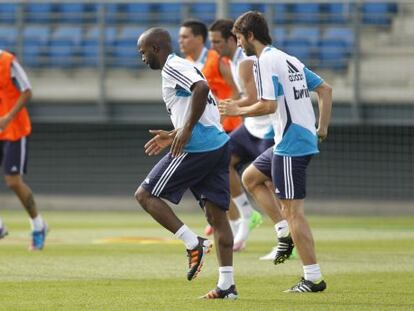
(125, 261)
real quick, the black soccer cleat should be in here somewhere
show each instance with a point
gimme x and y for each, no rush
(284, 249)
(196, 257)
(218, 293)
(306, 286)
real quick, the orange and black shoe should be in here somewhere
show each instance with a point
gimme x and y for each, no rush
(218, 293)
(196, 257)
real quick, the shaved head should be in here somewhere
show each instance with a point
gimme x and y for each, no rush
(154, 45)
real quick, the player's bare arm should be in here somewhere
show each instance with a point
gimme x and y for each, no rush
(324, 92)
(247, 78)
(21, 102)
(200, 92)
(259, 108)
(225, 71)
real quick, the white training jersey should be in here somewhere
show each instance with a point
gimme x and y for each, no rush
(261, 126)
(178, 77)
(201, 61)
(285, 79)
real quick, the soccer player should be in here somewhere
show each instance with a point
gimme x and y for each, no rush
(15, 128)
(249, 140)
(284, 85)
(198, 159)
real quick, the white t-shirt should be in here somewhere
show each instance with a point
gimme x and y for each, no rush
(201, 61)
(261, 126)
(285, 79)
(178, 76)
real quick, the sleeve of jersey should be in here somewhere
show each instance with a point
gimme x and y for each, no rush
(182, 74)
(312, 79)
(19, 77)
(269, 80)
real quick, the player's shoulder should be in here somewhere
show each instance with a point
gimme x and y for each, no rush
(176, 62)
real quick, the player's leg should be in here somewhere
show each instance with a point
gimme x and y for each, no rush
(289, 177)
(15, 164)
(3, 230)
(256, 179)
(169, 179)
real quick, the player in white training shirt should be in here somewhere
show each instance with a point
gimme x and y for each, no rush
(198, 159)
(284, 85)
(250, 139)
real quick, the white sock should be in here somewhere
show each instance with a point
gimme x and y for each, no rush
(188, 237)
(312, 273)
(1, 223)
(282, 229)
(234, 225)
(243, 205)
(37, 223)
(226, 278)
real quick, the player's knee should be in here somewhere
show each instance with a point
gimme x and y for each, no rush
(12, 182)
(142, 195)
(249, 182)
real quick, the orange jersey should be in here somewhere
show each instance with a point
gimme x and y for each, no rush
(219, 87)
(20, 126)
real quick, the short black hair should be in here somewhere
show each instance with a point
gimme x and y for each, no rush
(224, 26)
(198, 28)
(255, 23)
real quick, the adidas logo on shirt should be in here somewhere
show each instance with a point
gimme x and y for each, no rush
(294, 73)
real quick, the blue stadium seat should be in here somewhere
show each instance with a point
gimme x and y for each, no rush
(64, 46)
(311, 34)
(332, 54)
(237, 9)
(39, 12)
(338, 13)
(8, 13)
(35, 45)
(138, 13)
(279, 37)
(170, 13)
(343, 34)
(8, 37)
(174, 30)
(112, 12)
(306, 13)
(90, 45)
(125, 52)
(281, 13)
(300, 48)
(72, 12)
(204, 12)
(377, 13)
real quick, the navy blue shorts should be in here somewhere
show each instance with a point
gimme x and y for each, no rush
(264, 162)
(13, 156)
(246, 146)
(289, 176)
(206, 174)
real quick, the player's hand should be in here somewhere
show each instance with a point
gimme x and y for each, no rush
(180, 140)
(228, 108)
(160, 140)
(322, 134)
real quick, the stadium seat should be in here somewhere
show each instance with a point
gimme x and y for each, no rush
(35, 45)
(281, 13)
(125, 52)
(338, 13)
(64, 46)
(332, 54)
(112, 12)
(8, 13)
(138, 13)
(300, 48)
(204, 12)
(90, 45)
(278, 37)
(306, 13)
(377, 13)
(174, 30)
(8, 37)
(39, 12)
(72, 12)
(343, 34)
(170, 13)
(237, 9)
(311, 34)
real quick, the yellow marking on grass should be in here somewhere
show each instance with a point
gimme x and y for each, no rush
(135, 240)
